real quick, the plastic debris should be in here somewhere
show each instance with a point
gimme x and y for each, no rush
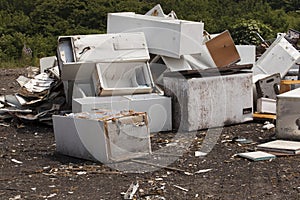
(200, 154)
(188, 173)
(242, 140)
(50, 196)
(16, 161)
(155, 197)
(181, 188)
(131, 191)
(202, 171)
(268, 125)
(81, 173)
(257, 155)
(16, 197)
(39, 97)
(281, 147)
(5, 125)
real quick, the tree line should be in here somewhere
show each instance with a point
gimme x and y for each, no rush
(37, 24)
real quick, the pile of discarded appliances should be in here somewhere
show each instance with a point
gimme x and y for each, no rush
(153, 73)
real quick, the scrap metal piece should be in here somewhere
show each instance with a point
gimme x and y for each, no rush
(2, 98)
(12, 100)
(22, 80)
(33, 95)
(39, 83)
(32, 117)
(54, 71)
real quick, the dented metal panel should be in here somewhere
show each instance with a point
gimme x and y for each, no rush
(103, 136)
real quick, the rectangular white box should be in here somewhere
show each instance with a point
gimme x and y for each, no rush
(266, 105)
(111, 79)
(165, 36)
(210, 101)
(93, 104)
(288, 115)
(102, 137)
(157, 107)
(278, 58)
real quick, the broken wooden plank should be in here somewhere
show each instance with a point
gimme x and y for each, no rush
(285, 85)
(264, 116)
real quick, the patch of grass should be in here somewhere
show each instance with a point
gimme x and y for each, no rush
(10, 64)
(15, 64)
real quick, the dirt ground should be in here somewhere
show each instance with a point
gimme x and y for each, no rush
(31, 168)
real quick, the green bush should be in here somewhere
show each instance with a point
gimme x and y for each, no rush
(37, 24)
(246, 32)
